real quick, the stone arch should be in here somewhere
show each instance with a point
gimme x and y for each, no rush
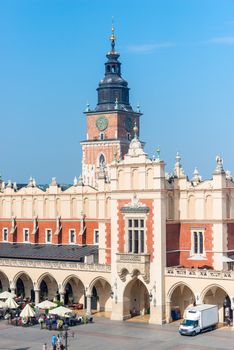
(101, 294)
(48, 286)
(58, 206)
(149, 178)
(216, 294)
(108, 208)
(135, 299)
(120, 179)
(228, 206)
(170, 206)
(4, 282)
(180, 296)
(191, 207)
(24, 207)
(35, 206)
(134, 177)
(76, 292)
(86, 206)
(23, 285)
(46, 207)
(73, 207)
(208, 207)
(13, 207)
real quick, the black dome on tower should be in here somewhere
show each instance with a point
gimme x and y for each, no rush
(113, 91)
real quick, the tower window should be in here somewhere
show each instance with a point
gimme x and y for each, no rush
(101, 136)
(129, 136)
(113, 69)
(108, 69)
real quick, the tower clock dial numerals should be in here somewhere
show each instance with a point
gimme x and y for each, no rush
(128, 124)
(102, 123)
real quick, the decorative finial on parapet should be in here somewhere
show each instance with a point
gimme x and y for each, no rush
(9, 184)
(53, 182)
(228, 175)
(138, 108)
(178, 159)
(87, 109)
(219, 165)
(178, 170)
(196, 177)
(75, 181)
(158, 154)
(135, 130)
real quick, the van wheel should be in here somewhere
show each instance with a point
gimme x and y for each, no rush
(194, 333)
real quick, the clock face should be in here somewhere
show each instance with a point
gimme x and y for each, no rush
(101, 123)
(128, 124)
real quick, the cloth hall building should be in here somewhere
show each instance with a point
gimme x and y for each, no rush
(126, 237)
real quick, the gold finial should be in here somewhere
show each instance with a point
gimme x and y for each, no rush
(112, 38)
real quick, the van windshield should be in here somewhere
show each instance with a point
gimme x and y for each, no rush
(190, 323)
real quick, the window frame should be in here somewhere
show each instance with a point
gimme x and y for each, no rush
(3, 239)
(46, 235)
(72, 230)
(24, 230)
(133, 244)
(196, 246)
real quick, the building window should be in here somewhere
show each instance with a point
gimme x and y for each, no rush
(72, 236)
(136, 235)
(197, 242)
(5, 235)
(101, 136)
(48, 236)
(26, 235)
(96, 237)
(129, 137)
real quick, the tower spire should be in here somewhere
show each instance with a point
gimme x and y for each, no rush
(112, 37)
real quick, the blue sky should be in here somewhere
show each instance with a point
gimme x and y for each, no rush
(177, 56)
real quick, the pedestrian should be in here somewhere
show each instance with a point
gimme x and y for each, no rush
(54, 342)
(44, 346)
(58, 342)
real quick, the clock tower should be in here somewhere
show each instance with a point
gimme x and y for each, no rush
(110, 125)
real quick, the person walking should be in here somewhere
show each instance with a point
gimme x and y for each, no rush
(44, 347)
(54, 342)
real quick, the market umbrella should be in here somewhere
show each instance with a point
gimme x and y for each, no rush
(46, 304)
(60, 311)
(27, 311)
(2, 304)
(11, 303)
(6, 295)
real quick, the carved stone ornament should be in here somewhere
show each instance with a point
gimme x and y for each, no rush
(135, 206)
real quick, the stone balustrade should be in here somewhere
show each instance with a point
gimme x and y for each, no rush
(61, 265)
(198, 273)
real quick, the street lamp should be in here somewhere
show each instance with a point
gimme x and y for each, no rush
(65, 335)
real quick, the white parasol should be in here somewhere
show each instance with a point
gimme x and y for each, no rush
(11, 303)
(27, 311)
(46, 304)
(60, 311)
(6, 295)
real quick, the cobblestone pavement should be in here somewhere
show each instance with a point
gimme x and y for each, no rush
(104, 334)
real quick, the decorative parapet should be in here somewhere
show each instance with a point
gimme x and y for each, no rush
(55, 265)
(133, 264)
(198, 273)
